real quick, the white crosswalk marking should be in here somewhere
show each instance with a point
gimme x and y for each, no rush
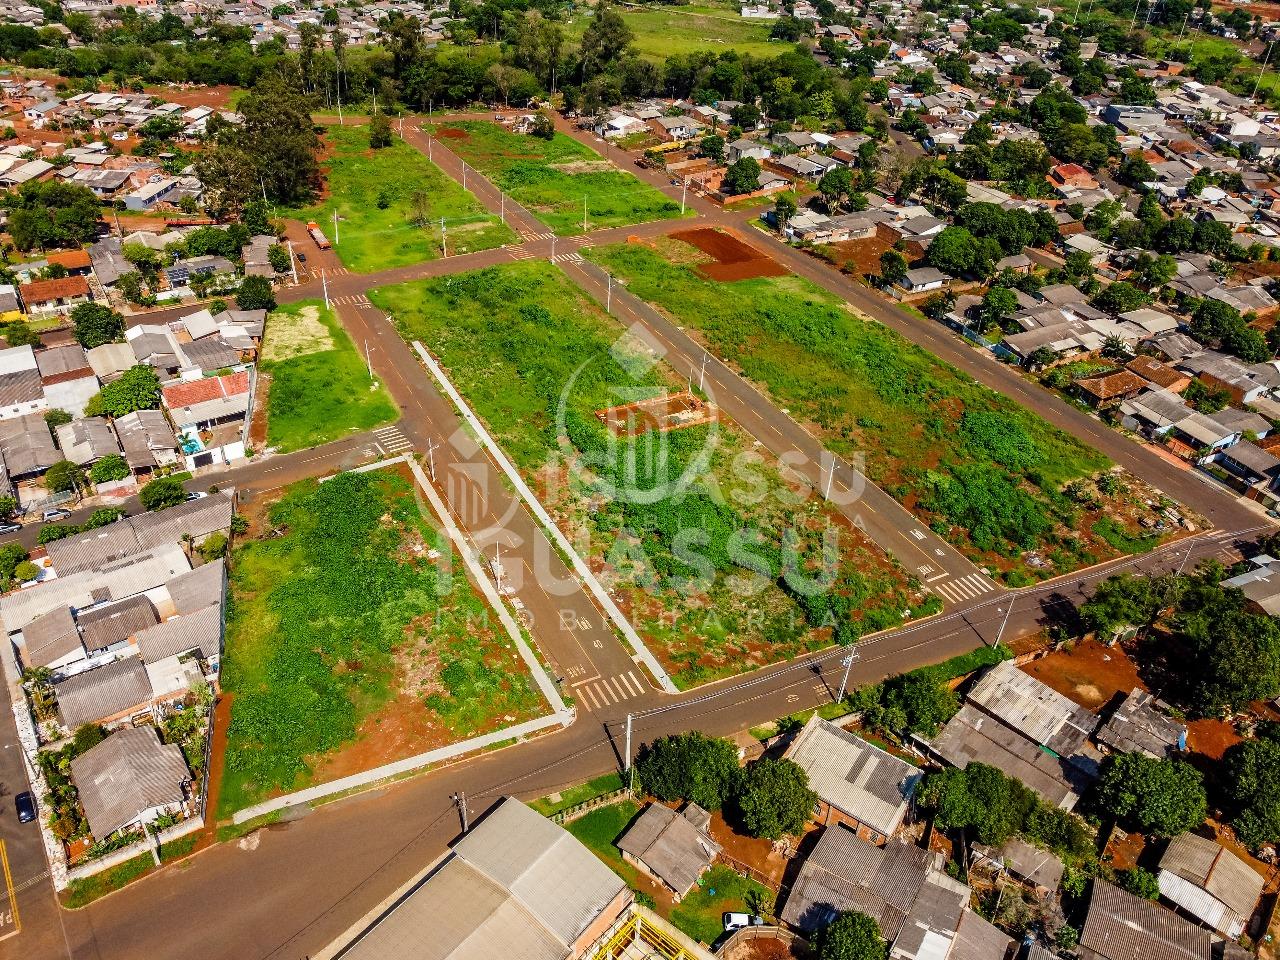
(567, 258)
(529, 235)
(580, 238)
(519, 253)
(600, 692)
(964, 588)
(391, 440)
(352, 300)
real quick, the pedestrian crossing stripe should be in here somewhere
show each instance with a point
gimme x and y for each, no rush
(391, 440)
(538, 236)
(601, 692)
(567, 258)
(963, 588)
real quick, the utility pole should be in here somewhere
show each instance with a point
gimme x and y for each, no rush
(293, 264)
(848, 668)
(324, 286)
(626, 759)
(608, 294)
(368, 362)
(831, 472)
(702, 372)
(1003, 624)
(460, 801)
(401, 124)
(584, 214)
(335, 228)
(684, 189)
(502, 206)
(1270, 47)
(431, 458)
(340, 123)
(444, 239)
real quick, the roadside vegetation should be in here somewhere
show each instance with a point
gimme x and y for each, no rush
(320, 388)
(986, 473)
(390, 201)
(309, 660)
(707, 545)
(553, 177)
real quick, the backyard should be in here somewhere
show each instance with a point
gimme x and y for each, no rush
(661, 32)
(328, 681)
(1013, 492)
(553, 178)
(708, 545)
(698, 914)
(319, 386)
(390, 202)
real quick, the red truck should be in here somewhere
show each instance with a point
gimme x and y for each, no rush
(318, 235)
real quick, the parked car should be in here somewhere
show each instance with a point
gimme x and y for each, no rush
(25, 804)
(58, 514)
(195, 495)
(736, 921)
(10, 527)
(302, 257)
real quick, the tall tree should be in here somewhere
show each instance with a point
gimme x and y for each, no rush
(850, 936)
(604, 42)
(1164, 797)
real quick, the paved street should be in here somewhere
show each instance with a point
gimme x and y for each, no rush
(289, 889)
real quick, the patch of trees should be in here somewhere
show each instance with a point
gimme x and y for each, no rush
(1163, 797)
(161, 493)
(768, 798)
(52, 213)
(850, 936)
(1252, 786)
(1221, 325)
(137, 389)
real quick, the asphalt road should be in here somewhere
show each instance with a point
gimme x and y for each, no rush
(288, 890)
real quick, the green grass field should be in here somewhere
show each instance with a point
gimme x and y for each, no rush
(320, 387)
(537, 358)
(373, 192)
(309, 658)
(553, 177)
(935, 439)
(661, 32)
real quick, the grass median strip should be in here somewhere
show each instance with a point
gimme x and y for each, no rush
(390, 202)
(320, 387)
(560, 181)
(720, 560)
(1015, 493)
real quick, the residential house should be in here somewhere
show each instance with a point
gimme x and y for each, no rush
(516, 885)
(52, 640)
(147, 440)
(21, 391)
(857, 784)
(107, 695)
(743, 147)
(672, 129)
(923, 279)
(1136, 726)
(1210, 883)
(673, 848)
(111, 360)
(47, 297)
(1105, 390)
(173, 651)
(87, 441)
(1121, 926)
(1035, 867)
(201, 407)
(1260, 585)
(130, 779)
(67, 379)
(1072, 175)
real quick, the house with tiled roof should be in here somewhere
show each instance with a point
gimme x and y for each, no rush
(46, 297)
(198, 404)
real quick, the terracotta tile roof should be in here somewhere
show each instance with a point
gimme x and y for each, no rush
(42, 291)
(71, 259)
(210, 388)
(1161, 374)
(1118, 383)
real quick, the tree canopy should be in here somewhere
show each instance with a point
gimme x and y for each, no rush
(96, 324)
(689, 766)
(1164, 797)
(137, 389)
(773, 798)
(161, 493)
(850, 936)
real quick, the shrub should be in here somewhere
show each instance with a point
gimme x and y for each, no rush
(162, 492)
(109, 468)
(773, 798)
(25, 571)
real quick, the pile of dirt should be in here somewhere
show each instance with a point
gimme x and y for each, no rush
(452, 133)
(734, 258)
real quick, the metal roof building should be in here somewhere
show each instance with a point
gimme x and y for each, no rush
(1137, 725)
(127, 775)
(1121, 926)
(1211, 883)
(674, 847)
(518, 887)
(1035, 710)
(97, 695)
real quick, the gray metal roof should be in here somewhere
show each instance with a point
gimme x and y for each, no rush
(1033, 708)
(517, 887)
(49, 637)
(1137, 725)
(979, 940)
(86, 440)
(103, 626)
(972, 736)
(1121, 926)
(143, 433)
(853, 776)
(205, 585)
(103, 692)
(200, 631)
(59, 361)
(1217, 871)
(930, 929)
(27, 445)
(1024, 860)
(129, 772)
(669, 844)
(210, 354)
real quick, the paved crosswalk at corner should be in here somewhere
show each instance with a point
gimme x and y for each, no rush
(529, 235)
(391, 440)
(567, 258)
(602, 692)
(519, 253)
(960, 589)
(353, 300)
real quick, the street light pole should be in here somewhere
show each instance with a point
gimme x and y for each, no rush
(848, 668)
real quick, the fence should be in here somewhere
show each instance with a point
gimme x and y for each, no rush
(747, 934)
(570, 814)
(146, 845)
(749, 871)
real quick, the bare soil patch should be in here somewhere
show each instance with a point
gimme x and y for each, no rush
(734, 258)
(670, 412)
(1089, 673)
(1211, 737)
(452, 133)
(584, 166)
(295, 334)
(762, 949)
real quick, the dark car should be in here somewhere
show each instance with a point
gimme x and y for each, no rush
(26, 805)
(302, 257)
(10, 527)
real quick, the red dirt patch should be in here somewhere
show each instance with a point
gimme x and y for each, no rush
(1090, 674)
(1211, 737)
(452, 133)
(735, 259)
(764, 948)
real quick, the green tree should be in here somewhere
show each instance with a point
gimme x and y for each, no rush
(689, 766)
(850, 936)
(997, 304)
(953, 251)
(278, 256)
(1164, 797)
(137, 389)
(161, 493)
(26, 571)
(712, 147)
(56, 418)
(773, 798)
(256, 293)
(835, 186)
(64, 477)
(1129, 600)
(53, 213)
(214, 546)
(1139, 882)
(1121, 297)
(11, 554)
(19, 334)
(784, 208)
(1235, 653)
(379, 131)
(605, 41)
(109, 468)
(919, 702)
(893, 267)
(742, 176)
(1252, 784)
(86, 737)
(96, 324)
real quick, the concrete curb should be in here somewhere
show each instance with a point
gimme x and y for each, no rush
(642, 653)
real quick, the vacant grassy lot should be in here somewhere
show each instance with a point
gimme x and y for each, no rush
(348, 647)
(553, 177)
(699, 915)
(703, 539)
(661, 32)
(381, 195)
(986, 472)
(320, 387)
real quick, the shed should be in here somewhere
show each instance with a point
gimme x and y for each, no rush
(673, 847)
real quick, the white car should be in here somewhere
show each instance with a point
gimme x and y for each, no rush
(119, 135)
(736, 921)
(54, 515)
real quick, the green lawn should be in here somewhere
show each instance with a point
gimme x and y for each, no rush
(320, 387)
(663, 515)
(661, 32)
(374, 191)
(699, 914)
(985, 471)
(579, 794)
(328, 623)
(553, 177)
(82, 892)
